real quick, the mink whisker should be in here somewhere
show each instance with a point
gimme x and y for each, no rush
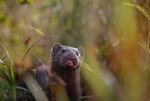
(55, 60)
(86, 67)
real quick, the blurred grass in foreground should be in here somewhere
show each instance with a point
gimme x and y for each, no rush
(130, 53)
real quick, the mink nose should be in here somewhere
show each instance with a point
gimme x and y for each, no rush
(72, 58)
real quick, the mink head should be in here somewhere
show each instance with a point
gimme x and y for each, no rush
(66, 57)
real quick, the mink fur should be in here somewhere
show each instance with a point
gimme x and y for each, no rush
(65, 63)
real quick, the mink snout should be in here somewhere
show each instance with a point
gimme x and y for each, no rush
(69, 61)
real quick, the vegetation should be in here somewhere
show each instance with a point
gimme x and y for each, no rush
(114, 33)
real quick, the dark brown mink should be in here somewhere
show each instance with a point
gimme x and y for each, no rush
(65, 63)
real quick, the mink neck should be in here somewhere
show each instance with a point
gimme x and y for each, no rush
(72, 80)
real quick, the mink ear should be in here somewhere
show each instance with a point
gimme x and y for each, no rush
(81, 51)
(56, 47)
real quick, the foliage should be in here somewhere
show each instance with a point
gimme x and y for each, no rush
(8, 82)
(115, 35)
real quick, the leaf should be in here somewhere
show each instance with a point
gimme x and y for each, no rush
(2, 16)
(1, 62)
(39, 31)
(139, 8)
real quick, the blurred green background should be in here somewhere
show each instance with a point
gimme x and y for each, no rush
(114, 33)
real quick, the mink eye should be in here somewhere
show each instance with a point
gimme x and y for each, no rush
(63, 51)
(77, 53)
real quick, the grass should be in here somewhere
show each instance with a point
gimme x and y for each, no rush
(131, 51)
(8, 85)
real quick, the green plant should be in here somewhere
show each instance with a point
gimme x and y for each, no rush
(7, 80)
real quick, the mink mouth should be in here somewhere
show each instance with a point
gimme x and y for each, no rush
(70, 63)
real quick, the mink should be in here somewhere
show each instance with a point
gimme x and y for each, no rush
(65, 63)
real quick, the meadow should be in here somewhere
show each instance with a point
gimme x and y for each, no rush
(115, 35)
